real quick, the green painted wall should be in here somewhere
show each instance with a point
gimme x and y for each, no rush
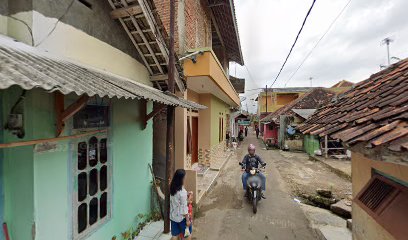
(18, 173)
(217, 107)
(38, 185)
(310, 144)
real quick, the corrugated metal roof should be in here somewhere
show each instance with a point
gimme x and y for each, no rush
(30, 68)
(304, 113)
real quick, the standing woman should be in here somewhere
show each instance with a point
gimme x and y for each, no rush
(180, 219)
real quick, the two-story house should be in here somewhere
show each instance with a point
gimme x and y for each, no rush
(75, 101)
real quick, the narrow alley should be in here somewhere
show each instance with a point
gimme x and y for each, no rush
(225, 214)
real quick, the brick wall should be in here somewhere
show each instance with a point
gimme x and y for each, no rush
(193, 25)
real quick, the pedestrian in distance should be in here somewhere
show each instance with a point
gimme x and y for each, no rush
(246, 131)
(227, 138)
(257, 131)
(181, 224)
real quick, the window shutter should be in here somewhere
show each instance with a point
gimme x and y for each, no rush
(386, 201)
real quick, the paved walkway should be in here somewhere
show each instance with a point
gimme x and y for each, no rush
(225, 214)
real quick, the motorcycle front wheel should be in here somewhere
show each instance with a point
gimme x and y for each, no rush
(254, 205)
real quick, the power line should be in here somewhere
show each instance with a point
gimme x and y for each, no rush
(294, 43)
(56, 23)
(317, 43)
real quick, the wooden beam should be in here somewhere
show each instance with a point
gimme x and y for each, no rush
(214, 21)
(74, 107)
(155, 112)
(161, 77)
(126, 12)
(62, 115)
(44, 140)
(59, 109)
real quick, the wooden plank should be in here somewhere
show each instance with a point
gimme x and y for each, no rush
(160, 40)
(132, 39)
(126, 12)
(44, 140)
(139, 30)
(161, 77)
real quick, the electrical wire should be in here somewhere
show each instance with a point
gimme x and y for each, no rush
(28, 28)
(56, 23)
(294, 43)
(317, 43)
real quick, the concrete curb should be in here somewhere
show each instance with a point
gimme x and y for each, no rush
(337, 171)
(213, 181)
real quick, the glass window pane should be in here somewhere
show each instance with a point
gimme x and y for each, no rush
(103, 151)
(81, 155)
(93, 211)
(82, 217)
(93, 151)
(103, 178)
(103, 210)
(93, 182)
(82, 187)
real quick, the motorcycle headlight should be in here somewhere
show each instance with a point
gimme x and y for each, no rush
(252, 171)
(253, 184)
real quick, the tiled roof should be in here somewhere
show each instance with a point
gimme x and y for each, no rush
(374, 112)
(310, 100)
(30, 68)
(238, 83)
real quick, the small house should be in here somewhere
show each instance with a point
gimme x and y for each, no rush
(280, 126)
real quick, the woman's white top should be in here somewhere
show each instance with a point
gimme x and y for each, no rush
(178, 205)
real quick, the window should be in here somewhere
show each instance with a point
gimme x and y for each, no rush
(386, 201)
(221, 129)
(91, 197)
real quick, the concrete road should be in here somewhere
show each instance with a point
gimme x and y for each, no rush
(225, 214)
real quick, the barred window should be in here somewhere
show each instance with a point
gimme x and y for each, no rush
(92, 185)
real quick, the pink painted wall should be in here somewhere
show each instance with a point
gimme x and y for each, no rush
(271, 133)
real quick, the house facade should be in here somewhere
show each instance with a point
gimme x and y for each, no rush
(280, 126)
(371, 120)
(76, 139)
(272, 99)
(206, 39)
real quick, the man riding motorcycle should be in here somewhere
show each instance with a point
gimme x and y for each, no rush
(252, 160)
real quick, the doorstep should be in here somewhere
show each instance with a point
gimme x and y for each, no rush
(206, 181)
(153, 231)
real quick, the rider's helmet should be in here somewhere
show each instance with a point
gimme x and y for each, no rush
(251, 149)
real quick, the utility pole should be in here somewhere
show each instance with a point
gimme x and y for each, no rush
(311, 81)
(387, 42)
(266, 98)
(170, 121)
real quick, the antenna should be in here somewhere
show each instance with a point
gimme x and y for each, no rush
(387, 41)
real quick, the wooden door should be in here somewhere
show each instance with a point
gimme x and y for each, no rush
(194, 140)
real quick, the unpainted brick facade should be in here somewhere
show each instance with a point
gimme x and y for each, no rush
(193, 23)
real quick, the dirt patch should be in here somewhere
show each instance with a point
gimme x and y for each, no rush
(305, 176)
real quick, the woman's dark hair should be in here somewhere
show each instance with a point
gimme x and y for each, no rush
(177, 181)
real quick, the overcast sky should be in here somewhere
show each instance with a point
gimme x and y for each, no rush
(351, 50)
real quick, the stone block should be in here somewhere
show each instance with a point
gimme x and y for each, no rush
(342, 208)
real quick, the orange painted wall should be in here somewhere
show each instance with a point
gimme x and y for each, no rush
(208, 65)
(364, 226)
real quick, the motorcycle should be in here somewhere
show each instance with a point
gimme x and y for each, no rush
(254, 187)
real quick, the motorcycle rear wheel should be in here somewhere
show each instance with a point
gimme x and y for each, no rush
(254, 205)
